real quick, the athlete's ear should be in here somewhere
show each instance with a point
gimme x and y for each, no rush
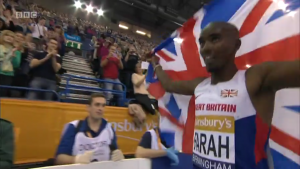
(238, 44)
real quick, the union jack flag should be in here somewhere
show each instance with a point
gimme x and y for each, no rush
(269, 31)
(229, 93)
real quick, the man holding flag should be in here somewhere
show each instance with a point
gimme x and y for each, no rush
(230, 102)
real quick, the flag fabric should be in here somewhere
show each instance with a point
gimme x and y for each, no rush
(269, 31)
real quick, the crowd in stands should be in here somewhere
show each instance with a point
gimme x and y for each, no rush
(32, 50)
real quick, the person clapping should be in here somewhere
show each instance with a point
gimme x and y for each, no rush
(44, 67)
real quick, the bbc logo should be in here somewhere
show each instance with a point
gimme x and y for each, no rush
(26, 14)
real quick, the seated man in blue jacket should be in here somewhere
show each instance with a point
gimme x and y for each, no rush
(6, 144)
(153, 145)
(89, 140)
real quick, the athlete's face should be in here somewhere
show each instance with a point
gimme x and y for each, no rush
(96, 108)
(217, 47)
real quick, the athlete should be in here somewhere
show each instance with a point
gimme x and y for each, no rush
(89, 140)
(227, 132)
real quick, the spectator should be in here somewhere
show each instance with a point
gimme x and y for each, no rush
(87, 132)
(101, 40)
(95, 46)
(81, 30)
(51, 34)
(6, 144)
(2, 25)
(21, 77)
(131, 59)
(61, 39)
(119, 50)
(30, 26)
(7, 16)
(44, 67)
(28, 39)
(71, 29)
(86, 46)
(52, 23)
(140, 91)
(104, 50)
(111, 64)
(9, 59)
(39, 30)
(89, 32)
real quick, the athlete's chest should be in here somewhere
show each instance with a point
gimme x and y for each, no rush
(217, 109)
(225, 99)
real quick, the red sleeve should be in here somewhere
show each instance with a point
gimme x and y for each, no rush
(103, 58)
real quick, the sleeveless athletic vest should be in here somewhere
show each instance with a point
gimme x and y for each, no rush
(99, 144)
(228, 134)
(155, 141)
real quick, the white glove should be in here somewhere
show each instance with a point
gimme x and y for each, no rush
(117, 155)
(84, 158)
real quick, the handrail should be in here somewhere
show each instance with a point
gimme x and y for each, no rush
(68, 85)
(31, 89)
(95, 88)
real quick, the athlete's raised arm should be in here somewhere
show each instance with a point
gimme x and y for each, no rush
(277, 75)
(179, 87)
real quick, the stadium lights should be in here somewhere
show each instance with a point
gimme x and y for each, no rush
(100, 12)
(89, 8)
(78, 4)
(122, 26)
(248, 66)
(140, 32)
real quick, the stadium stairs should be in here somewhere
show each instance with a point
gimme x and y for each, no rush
(80, 87)
(79, 82)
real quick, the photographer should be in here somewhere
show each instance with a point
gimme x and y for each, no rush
(44, 67)
(39, 30)
(131, 60)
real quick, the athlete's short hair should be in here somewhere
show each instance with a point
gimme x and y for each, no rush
(95, 95)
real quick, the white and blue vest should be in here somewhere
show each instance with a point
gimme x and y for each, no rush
(228, 133)
(99, 144)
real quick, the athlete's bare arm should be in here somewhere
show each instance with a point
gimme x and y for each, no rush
(265, 79)
(278, 75)
(179, 87)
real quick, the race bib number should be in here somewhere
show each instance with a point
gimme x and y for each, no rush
(214, 146)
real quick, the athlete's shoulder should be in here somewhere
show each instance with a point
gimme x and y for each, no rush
(255, 76)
